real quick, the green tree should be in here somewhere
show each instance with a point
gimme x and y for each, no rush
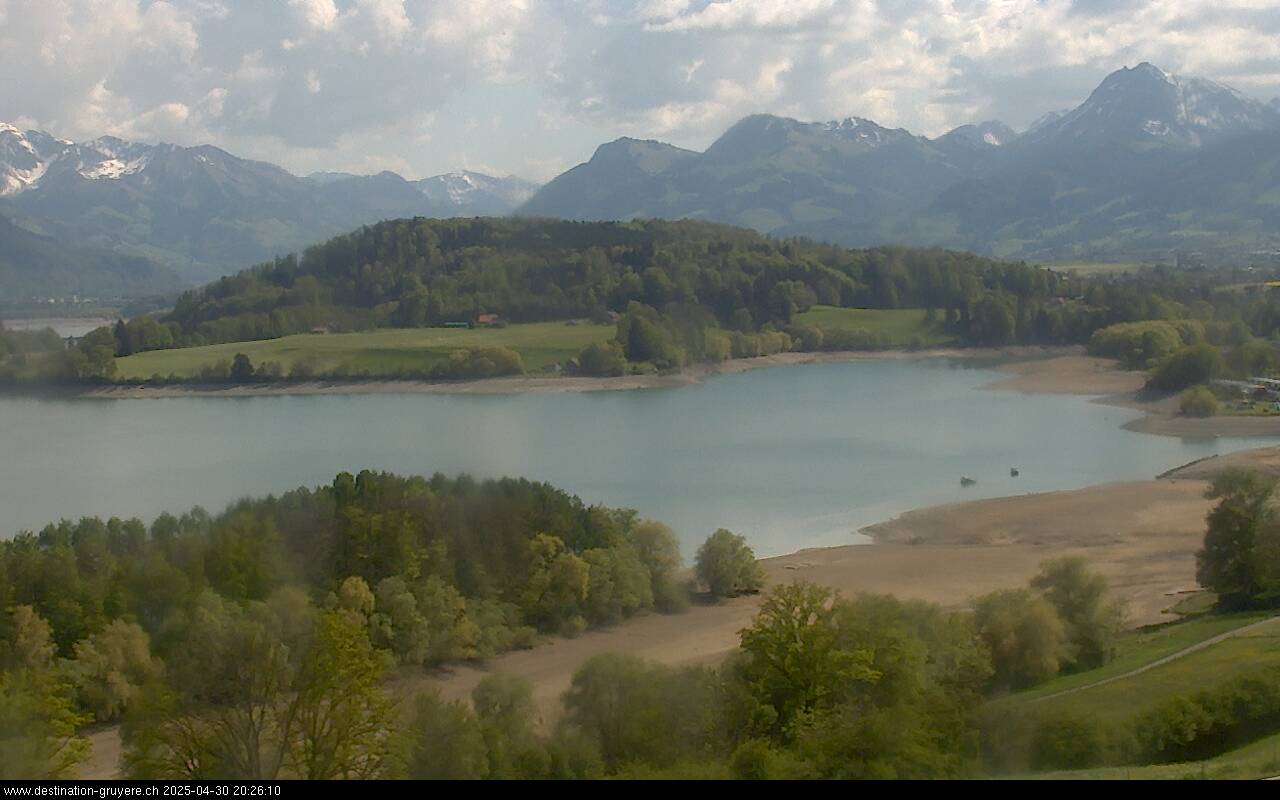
(1240, 559)
(1026, 637)
(796, 663)
(444, 741)
(111, 667)
(638, 711)
(241, 368)
(38, 724)
(659, 552)
(38, 721)
(508, 717)
(340, 715)
(1080, 597)
(243, 699)
(557, 586)
(1199, 363)
(727, 566)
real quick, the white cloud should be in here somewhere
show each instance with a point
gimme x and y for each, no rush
(319, 14)
(340, 83)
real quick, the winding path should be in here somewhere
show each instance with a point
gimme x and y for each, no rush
(1159, 662)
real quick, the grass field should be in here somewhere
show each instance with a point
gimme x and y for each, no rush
(1116, 703)
(900, 324)
(1119, 700)
(380, 352)
(1260, 759)
(1137, 649)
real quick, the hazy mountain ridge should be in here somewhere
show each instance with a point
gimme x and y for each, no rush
(34, 267)
(204, 212)
(1128, 171)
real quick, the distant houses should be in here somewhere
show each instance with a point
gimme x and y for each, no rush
(1252, 388)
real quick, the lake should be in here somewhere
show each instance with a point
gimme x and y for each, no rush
(63, 326)
(790, 457)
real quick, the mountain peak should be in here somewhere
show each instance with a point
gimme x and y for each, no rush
(992, 133)
(1148, 104)
(647, 155)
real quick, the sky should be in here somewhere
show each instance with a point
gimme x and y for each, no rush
(531, 88)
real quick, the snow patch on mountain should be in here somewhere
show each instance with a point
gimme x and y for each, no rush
(465, 189)
(115, 168)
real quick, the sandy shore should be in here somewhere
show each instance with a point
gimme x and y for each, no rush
(1079, 374)
(556, 383)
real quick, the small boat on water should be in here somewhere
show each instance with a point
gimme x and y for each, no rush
(965, 480)
(1013, 472)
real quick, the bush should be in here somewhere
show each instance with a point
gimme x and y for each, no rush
(1211, 721)
(727, 566)
(484, 362)
(1068, 740)
(1198, 363)
(602, 359)
(1198, 401)
(1140, 344)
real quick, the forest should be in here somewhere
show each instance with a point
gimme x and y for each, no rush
(266, 641)
(675, 293)
(257, 643)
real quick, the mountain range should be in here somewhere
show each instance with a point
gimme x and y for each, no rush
(199, 212)
(1150, 165)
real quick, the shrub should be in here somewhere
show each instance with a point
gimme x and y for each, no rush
(602, 359)
(1199, 363)
(1198, 401)
(1068, 740)
(727, 566)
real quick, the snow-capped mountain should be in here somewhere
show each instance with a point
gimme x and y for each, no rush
(1146, 103)
(25, 157)
(476, 192)
(205, 212)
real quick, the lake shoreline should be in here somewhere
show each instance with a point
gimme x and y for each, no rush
(527, 384)
(1110, 385)
(1032, 369)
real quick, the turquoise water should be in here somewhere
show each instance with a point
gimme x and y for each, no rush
(791, 457)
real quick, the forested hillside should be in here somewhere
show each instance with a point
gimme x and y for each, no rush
(426, 272)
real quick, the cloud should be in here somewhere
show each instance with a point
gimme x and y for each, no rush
(338, 84)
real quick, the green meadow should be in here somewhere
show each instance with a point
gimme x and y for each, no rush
(902, 325)
(382, 351)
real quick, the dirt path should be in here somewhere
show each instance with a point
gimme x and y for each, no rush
(1159, 662)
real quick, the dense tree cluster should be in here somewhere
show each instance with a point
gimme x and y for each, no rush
(432, 570)
(45, 357)
(1063, 621)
